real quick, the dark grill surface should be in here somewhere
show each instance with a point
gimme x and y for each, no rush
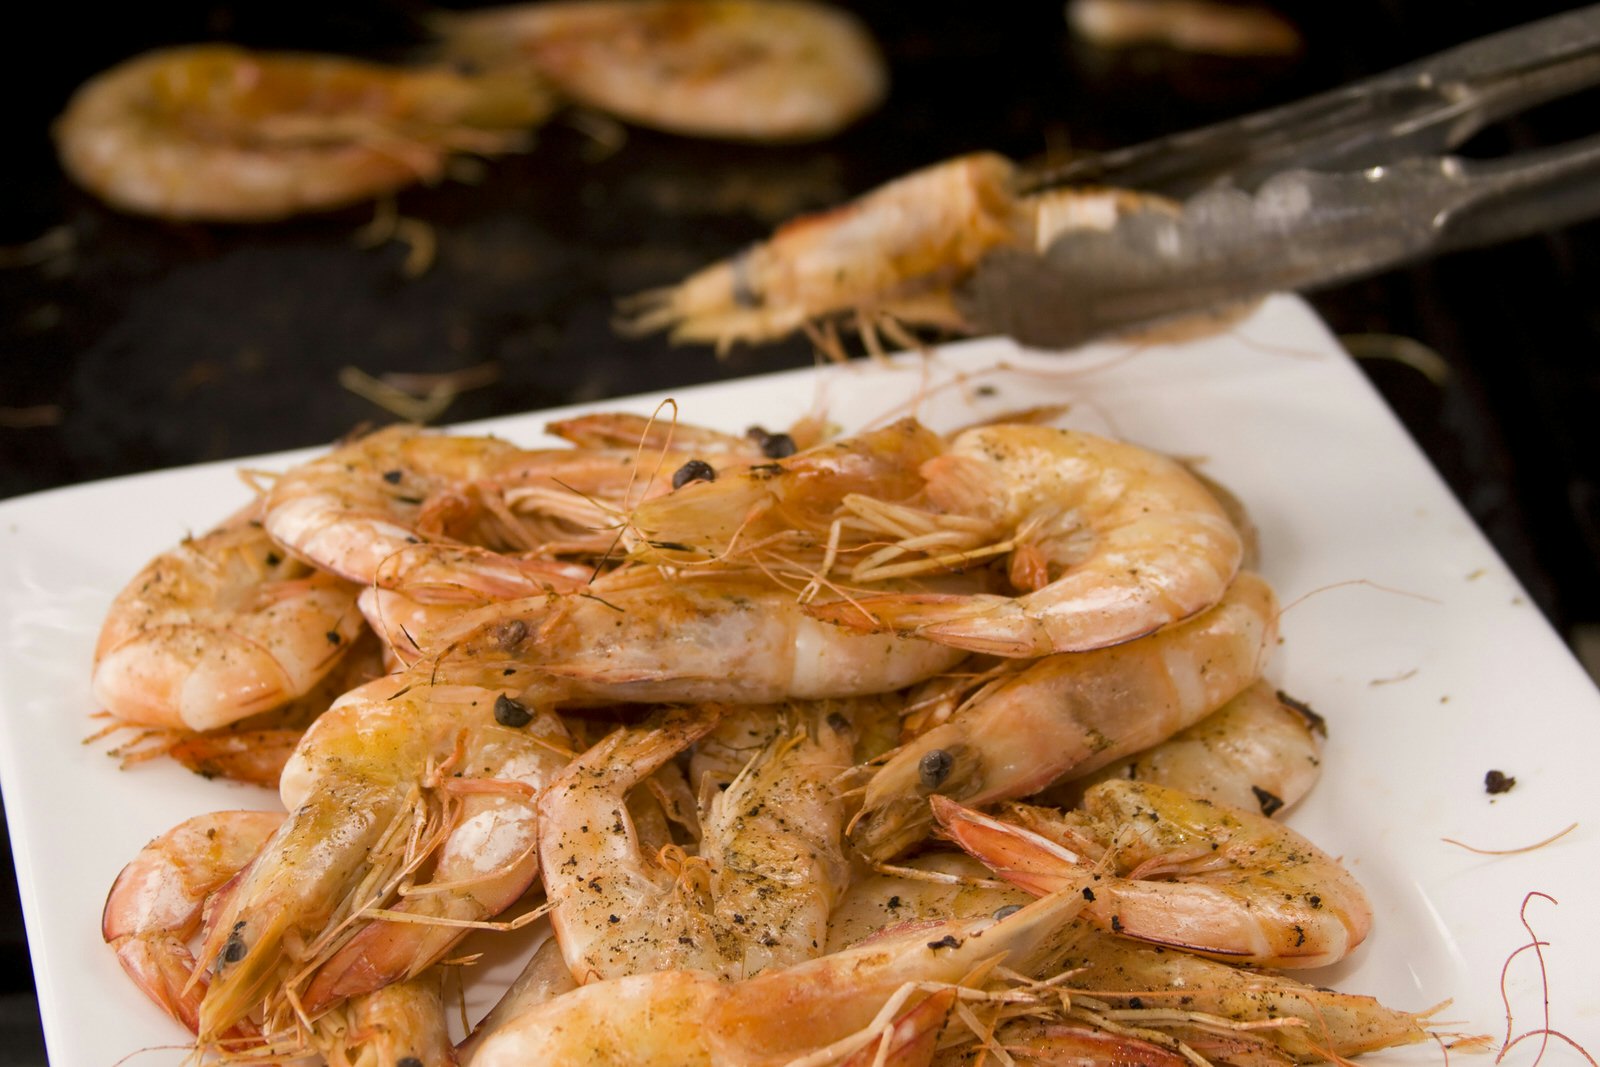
(149, 344)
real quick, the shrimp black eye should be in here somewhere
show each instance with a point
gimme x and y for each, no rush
(1270, 802)
(772, 445)
(408, 1061)
(392, 477)
(934, 768)
(508, 712)
(234, 949)
(696, 470)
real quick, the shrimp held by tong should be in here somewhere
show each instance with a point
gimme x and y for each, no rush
(220, 134)
(893, 256)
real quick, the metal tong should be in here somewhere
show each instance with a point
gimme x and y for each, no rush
(1333, 187)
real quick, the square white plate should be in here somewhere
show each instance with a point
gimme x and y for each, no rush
(1401, 626)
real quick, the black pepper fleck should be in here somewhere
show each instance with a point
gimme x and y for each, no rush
(508, 712)
(772, 445)
(1496, 782)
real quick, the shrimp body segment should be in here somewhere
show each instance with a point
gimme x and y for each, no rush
(1180, 872)
(223, 627)
(220, 134)
(156, 903)
(749, 70)
(696, 1019)
(1258, 751)
(1067, 714)
(1109, 540)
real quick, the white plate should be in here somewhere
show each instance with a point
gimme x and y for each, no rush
(1403, 628)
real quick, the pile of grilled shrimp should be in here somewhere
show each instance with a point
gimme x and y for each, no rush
(778, 748)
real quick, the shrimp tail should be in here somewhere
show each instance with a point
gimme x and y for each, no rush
(1022, 857)
(912, 1038)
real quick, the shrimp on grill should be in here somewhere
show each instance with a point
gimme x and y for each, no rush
(216, 133)
(747, 70)
(1170, 869)
(395, 775)
(892, 257)
(1067, 714)
(1107, 542)
(223, 627)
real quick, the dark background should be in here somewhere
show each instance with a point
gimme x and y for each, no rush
(136, 344)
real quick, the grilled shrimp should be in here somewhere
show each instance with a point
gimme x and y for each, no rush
(1315, 1021)
(543, 978)
(696, 635)
(350, 510)
(1107, 540)
(1178, 871)
(749, 70)
(422, 590)
(220, 134)
(368, 500)
(790, 508)
(395, 774)
(928, 887)
(1260, 751)
(220, 628)
(155, 905)
(694, 1019)
(895, 255)
(404, 1025)
(1068, 714)
(770, 861)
